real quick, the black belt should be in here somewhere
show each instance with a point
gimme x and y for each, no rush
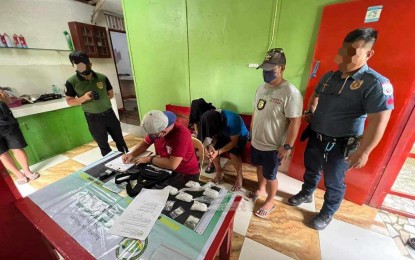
(109, 111)
(324, 138)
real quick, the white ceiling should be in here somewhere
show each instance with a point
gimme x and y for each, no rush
(113, 6)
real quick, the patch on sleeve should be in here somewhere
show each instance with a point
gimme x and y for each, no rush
(390, 101)
(387, 88)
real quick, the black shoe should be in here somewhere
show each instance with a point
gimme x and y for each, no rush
(210, 169)
(411, 242)
(320, 221)
(299, 198)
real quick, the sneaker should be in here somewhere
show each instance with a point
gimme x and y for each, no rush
(300, 198)
(320, 221)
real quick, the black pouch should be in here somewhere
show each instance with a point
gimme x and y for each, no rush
(146, 176)
(306, 133)
(351, 144)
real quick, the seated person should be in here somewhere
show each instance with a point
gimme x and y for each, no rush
(173, 143)
(229, 134)
(198, 107)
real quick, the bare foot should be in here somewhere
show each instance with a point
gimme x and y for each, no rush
(268, 205)
(218, 177)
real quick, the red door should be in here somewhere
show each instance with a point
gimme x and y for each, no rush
(394, 58)
(398, 180)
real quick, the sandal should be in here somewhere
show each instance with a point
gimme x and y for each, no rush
(22, 181)
(263, 213)
(210, 169)
(217, 180)
(32, 176)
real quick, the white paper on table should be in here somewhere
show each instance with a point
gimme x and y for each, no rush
(118, 165)
(139, 217)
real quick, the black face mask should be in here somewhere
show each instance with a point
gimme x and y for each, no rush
(269, 76)
(85, 72)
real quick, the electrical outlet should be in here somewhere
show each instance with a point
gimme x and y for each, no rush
(253, 65)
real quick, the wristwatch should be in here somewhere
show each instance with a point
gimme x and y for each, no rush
(288, 147)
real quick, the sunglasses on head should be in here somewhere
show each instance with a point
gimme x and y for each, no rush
(275, 50)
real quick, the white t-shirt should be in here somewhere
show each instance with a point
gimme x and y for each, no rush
(273, 107)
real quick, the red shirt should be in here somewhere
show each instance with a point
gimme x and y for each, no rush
(177, 143)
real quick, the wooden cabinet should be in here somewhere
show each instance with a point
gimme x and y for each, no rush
(91, 39)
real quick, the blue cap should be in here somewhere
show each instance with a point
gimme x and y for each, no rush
(171, 117)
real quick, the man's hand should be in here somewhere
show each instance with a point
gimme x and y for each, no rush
(308, 116)
(126, 158)
(87, 96)
(5, 97)
(143, 160)
(283, 153)
(357, 159)
(213, 154)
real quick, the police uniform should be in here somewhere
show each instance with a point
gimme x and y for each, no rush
(98, 113)
(343, 105)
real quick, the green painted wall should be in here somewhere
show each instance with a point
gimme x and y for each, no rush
(224, 37)
(298, 24)
(186, 49)
(157, 39)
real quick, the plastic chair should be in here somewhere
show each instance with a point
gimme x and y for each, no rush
(197, 144)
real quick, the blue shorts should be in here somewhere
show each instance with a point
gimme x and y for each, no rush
(268, 160)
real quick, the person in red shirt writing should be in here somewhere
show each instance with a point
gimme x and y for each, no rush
(172, 141)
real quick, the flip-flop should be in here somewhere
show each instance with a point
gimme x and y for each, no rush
(253, 196)
(33, 176)
(267, 212)
(22, 181)
(210, 169)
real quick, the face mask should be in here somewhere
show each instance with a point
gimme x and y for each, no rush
(86, 72)
(269, 76)
(86, 69)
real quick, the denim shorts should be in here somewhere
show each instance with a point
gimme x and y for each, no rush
(268, 160)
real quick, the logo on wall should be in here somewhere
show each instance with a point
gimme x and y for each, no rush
(100, 85)
(130, 249)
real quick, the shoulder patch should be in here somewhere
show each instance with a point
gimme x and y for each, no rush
(387, 88)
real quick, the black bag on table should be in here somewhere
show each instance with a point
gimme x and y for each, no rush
(146, 176)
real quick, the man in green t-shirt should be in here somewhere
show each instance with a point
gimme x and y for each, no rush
(93, 92)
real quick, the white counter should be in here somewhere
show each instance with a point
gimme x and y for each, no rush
(47, 106)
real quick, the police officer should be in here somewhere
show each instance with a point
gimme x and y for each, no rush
(338, 108)
(93, 91)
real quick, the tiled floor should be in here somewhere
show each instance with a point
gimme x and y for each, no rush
(357, 232)
(130, 117)
(404, 183)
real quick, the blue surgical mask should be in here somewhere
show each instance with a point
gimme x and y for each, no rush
(269, 76)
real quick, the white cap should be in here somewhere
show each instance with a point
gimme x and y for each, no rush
(156, 121)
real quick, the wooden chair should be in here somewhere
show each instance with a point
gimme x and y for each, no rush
(197, 144)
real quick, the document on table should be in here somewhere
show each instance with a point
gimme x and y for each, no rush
(139, 217)
(118, 165)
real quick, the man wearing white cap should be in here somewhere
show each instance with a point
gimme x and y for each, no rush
(173, 143)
